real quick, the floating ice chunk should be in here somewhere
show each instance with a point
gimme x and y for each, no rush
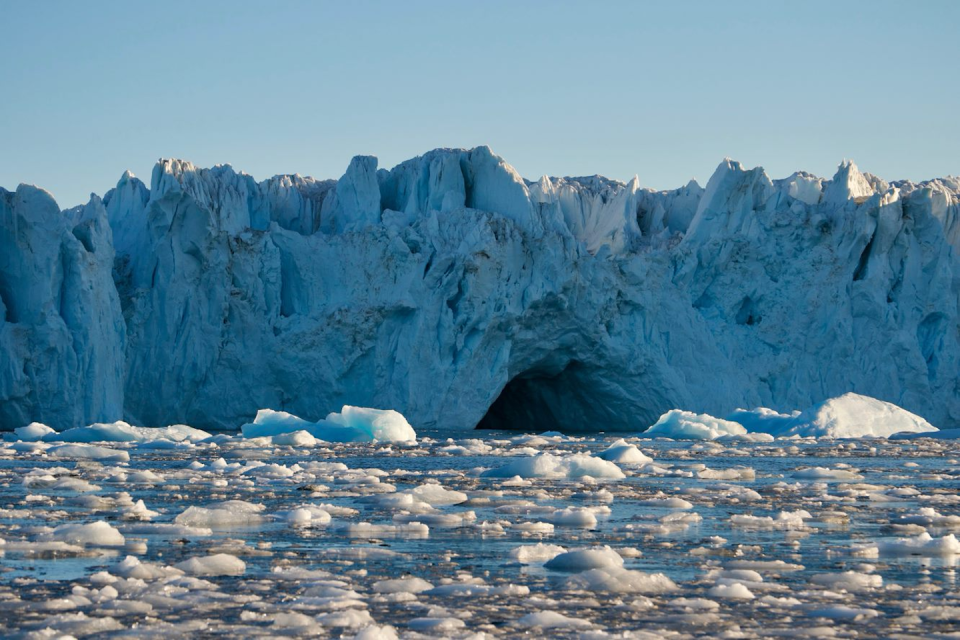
(167, 529)
(855, 416)
(695, 604)
(474, 589)
(574, 517)
(619, 580)
(276, 471)
(51, 483)
(293, 623)
(747, 437)
(848, 416)
(409, 584)
(535, 553)
(415, 530)
(79, 624)
(764, 565)
(848, 581)
(222, 515)
(405, 501)
(923, 545)
(437, 496)
(306, 515)
(349, 619)
(439, 520)
(666, 503)
(785, 521)
(139, 511)
(131, 567)
(88, 452)
(842, 612)
(731, 591)
(533, 528)
(436, 625)
(552, 620)
(930, 517)
(823, 473)
(732, 473)
(122, 432)
(624, 453)
(33, 432)
(546, 465)
(373, 424)
(686, 425)
(352, 424)
(98, 534)
(219, 564)
(375, 632)
(583, 559)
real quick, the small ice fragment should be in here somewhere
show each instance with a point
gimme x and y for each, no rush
(624, 453)
(220, 564)
(583, 559)
(731, 591)
(410, 584)
(534, 553)
(552, 620)
(33, 432)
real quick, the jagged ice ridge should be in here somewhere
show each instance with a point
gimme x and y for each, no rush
(456, 292)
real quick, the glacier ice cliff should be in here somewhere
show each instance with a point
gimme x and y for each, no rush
(456, 292)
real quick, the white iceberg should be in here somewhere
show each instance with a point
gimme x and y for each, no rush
(686, 425)
(624, 453)
(33, 432)
(848, 416)
(123, 432)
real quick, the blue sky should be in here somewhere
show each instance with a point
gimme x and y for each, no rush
(663, 90)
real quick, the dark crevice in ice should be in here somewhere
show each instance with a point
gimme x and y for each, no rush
(577, 398)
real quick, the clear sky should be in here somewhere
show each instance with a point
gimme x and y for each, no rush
(662, 90)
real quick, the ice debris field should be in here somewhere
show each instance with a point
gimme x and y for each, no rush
(817, 523)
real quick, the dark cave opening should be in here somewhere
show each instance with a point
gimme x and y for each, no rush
(574, 399)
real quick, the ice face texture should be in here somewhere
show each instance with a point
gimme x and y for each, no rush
(454, 291)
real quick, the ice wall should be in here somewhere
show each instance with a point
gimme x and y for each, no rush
(453, 290)
(62, 335)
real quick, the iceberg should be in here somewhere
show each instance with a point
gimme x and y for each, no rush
(33, 432)
(456, 292)
(352, 424)
(686, 425)
(122, 432)
(624, 453)
(848, 416)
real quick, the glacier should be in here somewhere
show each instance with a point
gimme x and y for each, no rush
(458, 293)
